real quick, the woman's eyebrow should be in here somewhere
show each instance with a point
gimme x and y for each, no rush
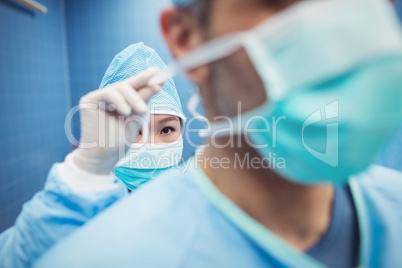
(168, 119)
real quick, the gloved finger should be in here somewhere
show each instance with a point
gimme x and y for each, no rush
(147, 92)
(141, 80)
(113, 96)
(132, 97)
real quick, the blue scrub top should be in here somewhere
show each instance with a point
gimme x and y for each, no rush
(339, 247)
(182, 220)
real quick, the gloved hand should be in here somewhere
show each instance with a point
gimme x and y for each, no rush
(110, 121)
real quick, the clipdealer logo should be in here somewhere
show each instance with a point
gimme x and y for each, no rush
(331, 154)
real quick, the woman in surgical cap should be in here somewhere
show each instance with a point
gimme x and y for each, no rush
(65, 205)
(162, 149)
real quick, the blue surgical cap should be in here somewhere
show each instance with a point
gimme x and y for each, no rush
(136, 59)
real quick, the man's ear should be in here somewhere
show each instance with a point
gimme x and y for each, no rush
(182, 33)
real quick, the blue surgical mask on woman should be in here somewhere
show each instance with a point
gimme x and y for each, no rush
(144, 162)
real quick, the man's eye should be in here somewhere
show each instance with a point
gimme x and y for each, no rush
(139, 132)
(167, 130)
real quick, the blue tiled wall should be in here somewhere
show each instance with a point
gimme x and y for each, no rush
(98, 30)
(33, 101)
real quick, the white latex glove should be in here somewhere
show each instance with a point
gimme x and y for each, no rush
(110, 122)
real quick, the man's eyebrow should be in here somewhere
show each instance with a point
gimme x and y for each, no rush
(168, 119)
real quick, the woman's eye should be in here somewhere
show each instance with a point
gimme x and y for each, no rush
(167, 130)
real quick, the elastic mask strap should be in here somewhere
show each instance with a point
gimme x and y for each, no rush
(238, 123)
(145, 129)
(213, 50)
(193, 103)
